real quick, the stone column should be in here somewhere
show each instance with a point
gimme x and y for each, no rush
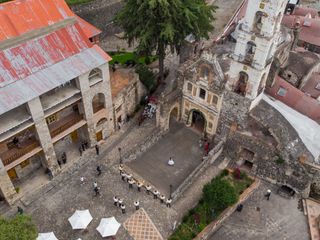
(44, 136)
(6, 185)
(88, 94)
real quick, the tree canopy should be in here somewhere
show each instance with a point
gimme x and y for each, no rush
(18, 228)
(219, 194)
(158, 24)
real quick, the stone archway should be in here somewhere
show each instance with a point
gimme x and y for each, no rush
(197, 121)
(173, 116)
(98, 102)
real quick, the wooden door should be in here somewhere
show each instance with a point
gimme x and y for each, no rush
(99, 136)
(74, 136)
(12, 174)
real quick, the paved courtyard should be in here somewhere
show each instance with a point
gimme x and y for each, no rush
(277, 219)
(181, 143)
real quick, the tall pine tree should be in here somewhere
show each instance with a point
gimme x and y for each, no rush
(158, 24)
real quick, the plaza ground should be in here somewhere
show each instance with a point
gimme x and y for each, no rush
(279, 218)
(181, 144)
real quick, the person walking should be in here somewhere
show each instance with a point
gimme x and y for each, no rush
(121, 169)
(97, 191)
(83, 146)
(139, 185)
(64, 158)
(80, 151)
(95, 184)
(162, 198)
(136, 204)
(155, 194)
(129, 176)
(115, 201)
(168, 202)
(123, 208)
(123, 176)
(206, 148)
(170, 162)
(99, 170)
(82, 180)
(131, 182)
(268, 194)
(120, 202)
(97, 149)
(148, 188)
(20, 210)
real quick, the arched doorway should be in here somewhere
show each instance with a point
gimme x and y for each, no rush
(98, 102)
(173, 118)
(198, 121)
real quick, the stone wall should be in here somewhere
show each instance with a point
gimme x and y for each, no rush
(234, 108)
(100, 13)
(206, 163)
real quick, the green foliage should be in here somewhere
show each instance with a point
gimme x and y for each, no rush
(18, 228)
(225, 172)
(219, 194)
(147, 77)
(158, 24)
(124, 57)
(280, 159)
(69, 2)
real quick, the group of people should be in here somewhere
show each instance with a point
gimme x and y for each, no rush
(204, 143)
(84, 146)
(127, 177)
(149, 109)
(118, 202)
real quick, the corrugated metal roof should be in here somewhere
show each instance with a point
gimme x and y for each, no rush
(22, 16)
(20, 92)
(41, 55)
(20, 61)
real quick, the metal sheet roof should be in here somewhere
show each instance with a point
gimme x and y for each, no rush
(21, 16)
(20, 92)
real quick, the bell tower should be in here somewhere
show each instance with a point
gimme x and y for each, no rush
(257, 35)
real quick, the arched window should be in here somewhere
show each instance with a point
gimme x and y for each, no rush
(101, 121)
(95, 74)
(215, 100)
(258, 21)
(241, 85)
(250, 51)
(98, 102)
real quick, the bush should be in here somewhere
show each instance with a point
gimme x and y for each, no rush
(225, 172)
(280, 159)
(20, 227)
(219, 194)
(147, 77)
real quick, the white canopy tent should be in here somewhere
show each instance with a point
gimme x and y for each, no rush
(80, 219)
(108, 227)
(46, 236)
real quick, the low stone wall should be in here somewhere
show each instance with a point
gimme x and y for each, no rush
(207, 161)
(212, 227)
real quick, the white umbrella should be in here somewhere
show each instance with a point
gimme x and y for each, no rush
(47, 236)
(80, 219)
(108, 227)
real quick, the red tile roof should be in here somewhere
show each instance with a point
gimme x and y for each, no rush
(295, 99)
(309, 34)
(303, 11)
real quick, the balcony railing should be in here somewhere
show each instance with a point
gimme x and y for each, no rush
(64, 123)
(17, 152)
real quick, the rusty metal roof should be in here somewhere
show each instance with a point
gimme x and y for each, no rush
(42, 45)
(22, 16)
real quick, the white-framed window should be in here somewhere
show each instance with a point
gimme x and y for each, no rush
(282, 91)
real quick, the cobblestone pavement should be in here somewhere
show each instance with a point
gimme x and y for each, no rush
(278, 219)
(51, 206)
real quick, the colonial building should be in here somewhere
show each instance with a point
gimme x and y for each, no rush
(55, 90)
(223, 86)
